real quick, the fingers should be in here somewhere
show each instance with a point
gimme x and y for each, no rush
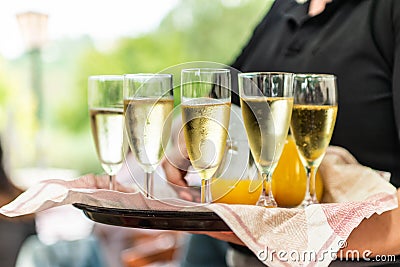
(121, 188)
(103, 182)
(99, 182)
(317, 7)
(224, 236)
(176, 163)
(188, 193)
(173, 173)
(176, 177)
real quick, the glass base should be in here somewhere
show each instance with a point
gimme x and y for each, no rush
(307, 202)
(265, 201)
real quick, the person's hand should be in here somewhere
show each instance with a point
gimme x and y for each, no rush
(230, 237)
(98, 182)
(176, 164)
(317, 7)
(175, 174)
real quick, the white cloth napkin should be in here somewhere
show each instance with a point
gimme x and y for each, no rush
(354, 192)
(315, 234)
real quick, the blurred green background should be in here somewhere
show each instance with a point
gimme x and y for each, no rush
(193, 30)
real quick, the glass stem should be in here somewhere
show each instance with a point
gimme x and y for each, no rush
(112, 182)
(313, 191)
(148, 184)
(268, 180)
(206, 191)
(310, 196)
(264, 185)
(267, 198)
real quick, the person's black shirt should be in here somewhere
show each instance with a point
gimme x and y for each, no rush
(358, 41)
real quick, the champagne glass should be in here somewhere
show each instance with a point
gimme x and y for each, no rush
(148, 104)
(237, 180)
(266, 100)
(205, 103)
(313, 120)
(106, 116)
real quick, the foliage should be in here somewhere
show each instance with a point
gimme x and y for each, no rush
(4, 91)
(194, 30)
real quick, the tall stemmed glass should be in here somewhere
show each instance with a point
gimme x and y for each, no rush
(266, 100)
(105, 99)
(148, 103)
(205, 103)
(313, 120)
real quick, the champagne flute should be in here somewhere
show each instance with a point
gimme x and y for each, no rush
(106, 116)
(148, 104)
(205, 103)
(266, 100)
(313, 120)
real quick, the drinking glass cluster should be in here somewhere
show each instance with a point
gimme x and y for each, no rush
(271, 103)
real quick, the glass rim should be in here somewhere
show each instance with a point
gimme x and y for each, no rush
(145, 77)
(148, 76)
(264, 73)
(206, 70)
(315, 75)
(106, 77)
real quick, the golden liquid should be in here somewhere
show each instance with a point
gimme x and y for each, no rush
(148, 125)
(312, 128)
(235, 191)
(107, 129)
(266, 120)
(205, 128)
(288, 188)
(289, 178)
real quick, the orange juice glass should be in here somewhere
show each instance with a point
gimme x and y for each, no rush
(289, 178)
(237, 181)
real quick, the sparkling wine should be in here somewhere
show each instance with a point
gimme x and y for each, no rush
(312, 128)
(148, 125)
(205, 126)
(107, 129)
(266, 120)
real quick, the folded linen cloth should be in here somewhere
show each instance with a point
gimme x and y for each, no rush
(311, 237)
(279, 237)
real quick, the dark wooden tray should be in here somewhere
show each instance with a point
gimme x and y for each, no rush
(155, 219)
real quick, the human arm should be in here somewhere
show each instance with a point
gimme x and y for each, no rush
(379, 234)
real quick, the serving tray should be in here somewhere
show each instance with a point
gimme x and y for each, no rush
(155, 219)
